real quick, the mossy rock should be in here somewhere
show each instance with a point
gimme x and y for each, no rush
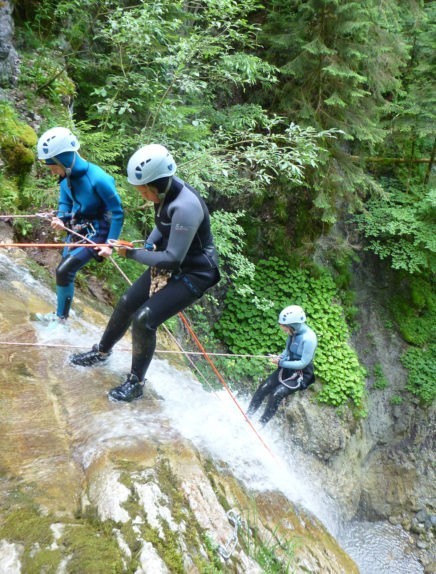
(17, 142)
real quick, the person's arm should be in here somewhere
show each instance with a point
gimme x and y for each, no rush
(107, 192)
(309, 348)
(65, 204)
(185, 221)
(153, 239)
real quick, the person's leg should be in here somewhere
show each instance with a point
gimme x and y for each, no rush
(119, 322)
(65, 275)
(262, 391)
(174, 297)
(72, 261)
(274, 399)
(129, 303)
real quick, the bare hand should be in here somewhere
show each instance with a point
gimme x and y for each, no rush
(275, 359)
(120, 246)
(57, 224)
(103, 251)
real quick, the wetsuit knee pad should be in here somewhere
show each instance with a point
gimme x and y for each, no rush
(66, 270)
(143, 319)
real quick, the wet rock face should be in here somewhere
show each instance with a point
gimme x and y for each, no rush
(8, 55)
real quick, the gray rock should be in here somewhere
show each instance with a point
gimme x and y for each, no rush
(9, 61)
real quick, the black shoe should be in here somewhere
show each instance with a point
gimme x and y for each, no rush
(129, 391)
(89, 358)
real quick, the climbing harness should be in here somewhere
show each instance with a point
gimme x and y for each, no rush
(235, 520)
(293, 382)
(85, 227)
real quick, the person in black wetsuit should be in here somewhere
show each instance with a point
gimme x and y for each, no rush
(179, 252)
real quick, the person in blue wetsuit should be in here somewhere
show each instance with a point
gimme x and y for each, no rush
(294, 366)
(182, 264)
(88, 204)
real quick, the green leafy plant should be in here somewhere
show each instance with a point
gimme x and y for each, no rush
(380, 380)
(421, 364)
(396, 400)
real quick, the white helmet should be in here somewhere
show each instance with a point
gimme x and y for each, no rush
(292, 314)
(149, 163)
(56, 141)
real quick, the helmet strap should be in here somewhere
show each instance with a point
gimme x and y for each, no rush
(68, 170)
(162, 195)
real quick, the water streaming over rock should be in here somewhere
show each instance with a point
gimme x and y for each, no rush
(67, 447)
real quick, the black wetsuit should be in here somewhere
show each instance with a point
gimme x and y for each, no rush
(184, 246)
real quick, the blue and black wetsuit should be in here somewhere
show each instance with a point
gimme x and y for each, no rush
(294, 372)
(90, 204)
(184, 247)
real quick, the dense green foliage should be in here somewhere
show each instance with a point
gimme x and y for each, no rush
(287, 118)
(249, 325)
(400, 225)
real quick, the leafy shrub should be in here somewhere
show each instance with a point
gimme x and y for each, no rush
(421, 364)
(380, 380)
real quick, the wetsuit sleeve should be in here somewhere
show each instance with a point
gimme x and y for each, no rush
(154, 237)
(309, 348)
(185, 221)
(65, 205)
(105, 188)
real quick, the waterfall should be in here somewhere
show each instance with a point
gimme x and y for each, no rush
(177, 405)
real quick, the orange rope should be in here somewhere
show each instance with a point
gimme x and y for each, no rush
(54, 245)
(221, 380)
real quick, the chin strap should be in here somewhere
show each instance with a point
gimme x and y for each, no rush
(68, 170)
(163, 194)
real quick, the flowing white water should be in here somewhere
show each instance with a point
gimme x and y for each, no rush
(212, 422)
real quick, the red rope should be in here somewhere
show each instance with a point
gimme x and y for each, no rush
(54, 245)
(221, 380)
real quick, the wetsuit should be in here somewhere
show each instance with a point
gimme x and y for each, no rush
(294, 372)
(90, 205)
(184, 246)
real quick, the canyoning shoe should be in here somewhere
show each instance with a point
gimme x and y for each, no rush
(92, 357)
(130, 390)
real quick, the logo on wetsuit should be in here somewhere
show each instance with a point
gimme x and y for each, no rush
(180, 227)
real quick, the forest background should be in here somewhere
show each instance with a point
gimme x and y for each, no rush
(307, 126)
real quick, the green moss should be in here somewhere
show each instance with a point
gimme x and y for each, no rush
(17, 140)
(87, 543)
(92, 548)
(27, 526)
